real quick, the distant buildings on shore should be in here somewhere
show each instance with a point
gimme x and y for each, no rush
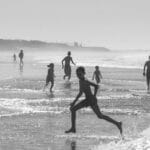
(76, 44)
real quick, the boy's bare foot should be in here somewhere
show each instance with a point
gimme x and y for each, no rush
(71, 131)
(119, 125)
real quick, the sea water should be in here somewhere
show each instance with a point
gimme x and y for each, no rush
(122, 95)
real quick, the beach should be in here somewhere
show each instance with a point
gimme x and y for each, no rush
(31, 118)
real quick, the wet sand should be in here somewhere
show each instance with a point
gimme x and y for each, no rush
(46, 131)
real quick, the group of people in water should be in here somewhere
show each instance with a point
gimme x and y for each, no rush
(20, 55)
(84, 87)
(97, 76)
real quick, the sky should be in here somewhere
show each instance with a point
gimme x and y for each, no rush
(115, 24)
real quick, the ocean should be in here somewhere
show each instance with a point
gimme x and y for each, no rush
(31, 118)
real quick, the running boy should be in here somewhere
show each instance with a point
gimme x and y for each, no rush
(90, 100)
(50, 76)
(97, 75)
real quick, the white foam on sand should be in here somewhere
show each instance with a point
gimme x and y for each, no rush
(13, 90)
(21, 106)
(85, 136)
(115, 111)
(140, 143)
(117, 96)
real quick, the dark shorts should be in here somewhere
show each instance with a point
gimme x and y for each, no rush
(49, 79)
(148, 74)
(97, 79)
(90, 101)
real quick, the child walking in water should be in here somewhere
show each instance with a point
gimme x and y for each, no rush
(90, 100)
(50, 76)
(97, 75)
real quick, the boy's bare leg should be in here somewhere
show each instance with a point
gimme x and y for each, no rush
(73, 109)
(52, 84)
(102, 116)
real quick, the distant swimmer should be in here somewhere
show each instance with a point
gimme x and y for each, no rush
(50, 76)
(97, 75)
(21, 55)
(67, 66)
(147, 68)
(90, 100)
(14, 57)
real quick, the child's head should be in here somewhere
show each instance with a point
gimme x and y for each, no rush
(80, 71)
(51, 65)
(69, 53)
(97, 67)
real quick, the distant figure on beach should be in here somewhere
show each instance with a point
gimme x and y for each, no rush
(90, 100)
(67, 67)
(147, 68)
(21, 55)
(50, 76)
(14, 57)
(97, 75)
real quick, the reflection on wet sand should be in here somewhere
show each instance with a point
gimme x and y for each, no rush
(71, 144)
(21, 69)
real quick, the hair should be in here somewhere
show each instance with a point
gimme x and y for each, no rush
(80, 69)
(69, 53)
(96, 67)
(51, 65)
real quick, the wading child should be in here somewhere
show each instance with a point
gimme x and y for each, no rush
(90, 100)
(67, 67)
(50, 76)
(97, 75)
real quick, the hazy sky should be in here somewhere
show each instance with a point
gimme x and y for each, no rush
(116, 24)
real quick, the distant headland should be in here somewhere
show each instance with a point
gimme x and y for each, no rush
(8, 44)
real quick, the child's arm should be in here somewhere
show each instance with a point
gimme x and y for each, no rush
(76, 99)
(72, 61)
(144, 69)
(63, 63)
(93, 76)
(95, 87)
(100, 75)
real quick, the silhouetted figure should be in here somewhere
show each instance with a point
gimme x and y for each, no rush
(90, 100)
(67, 67)
(147, 67)
(97, 75)
(50, 76)
(14, 57)
(21, 55)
